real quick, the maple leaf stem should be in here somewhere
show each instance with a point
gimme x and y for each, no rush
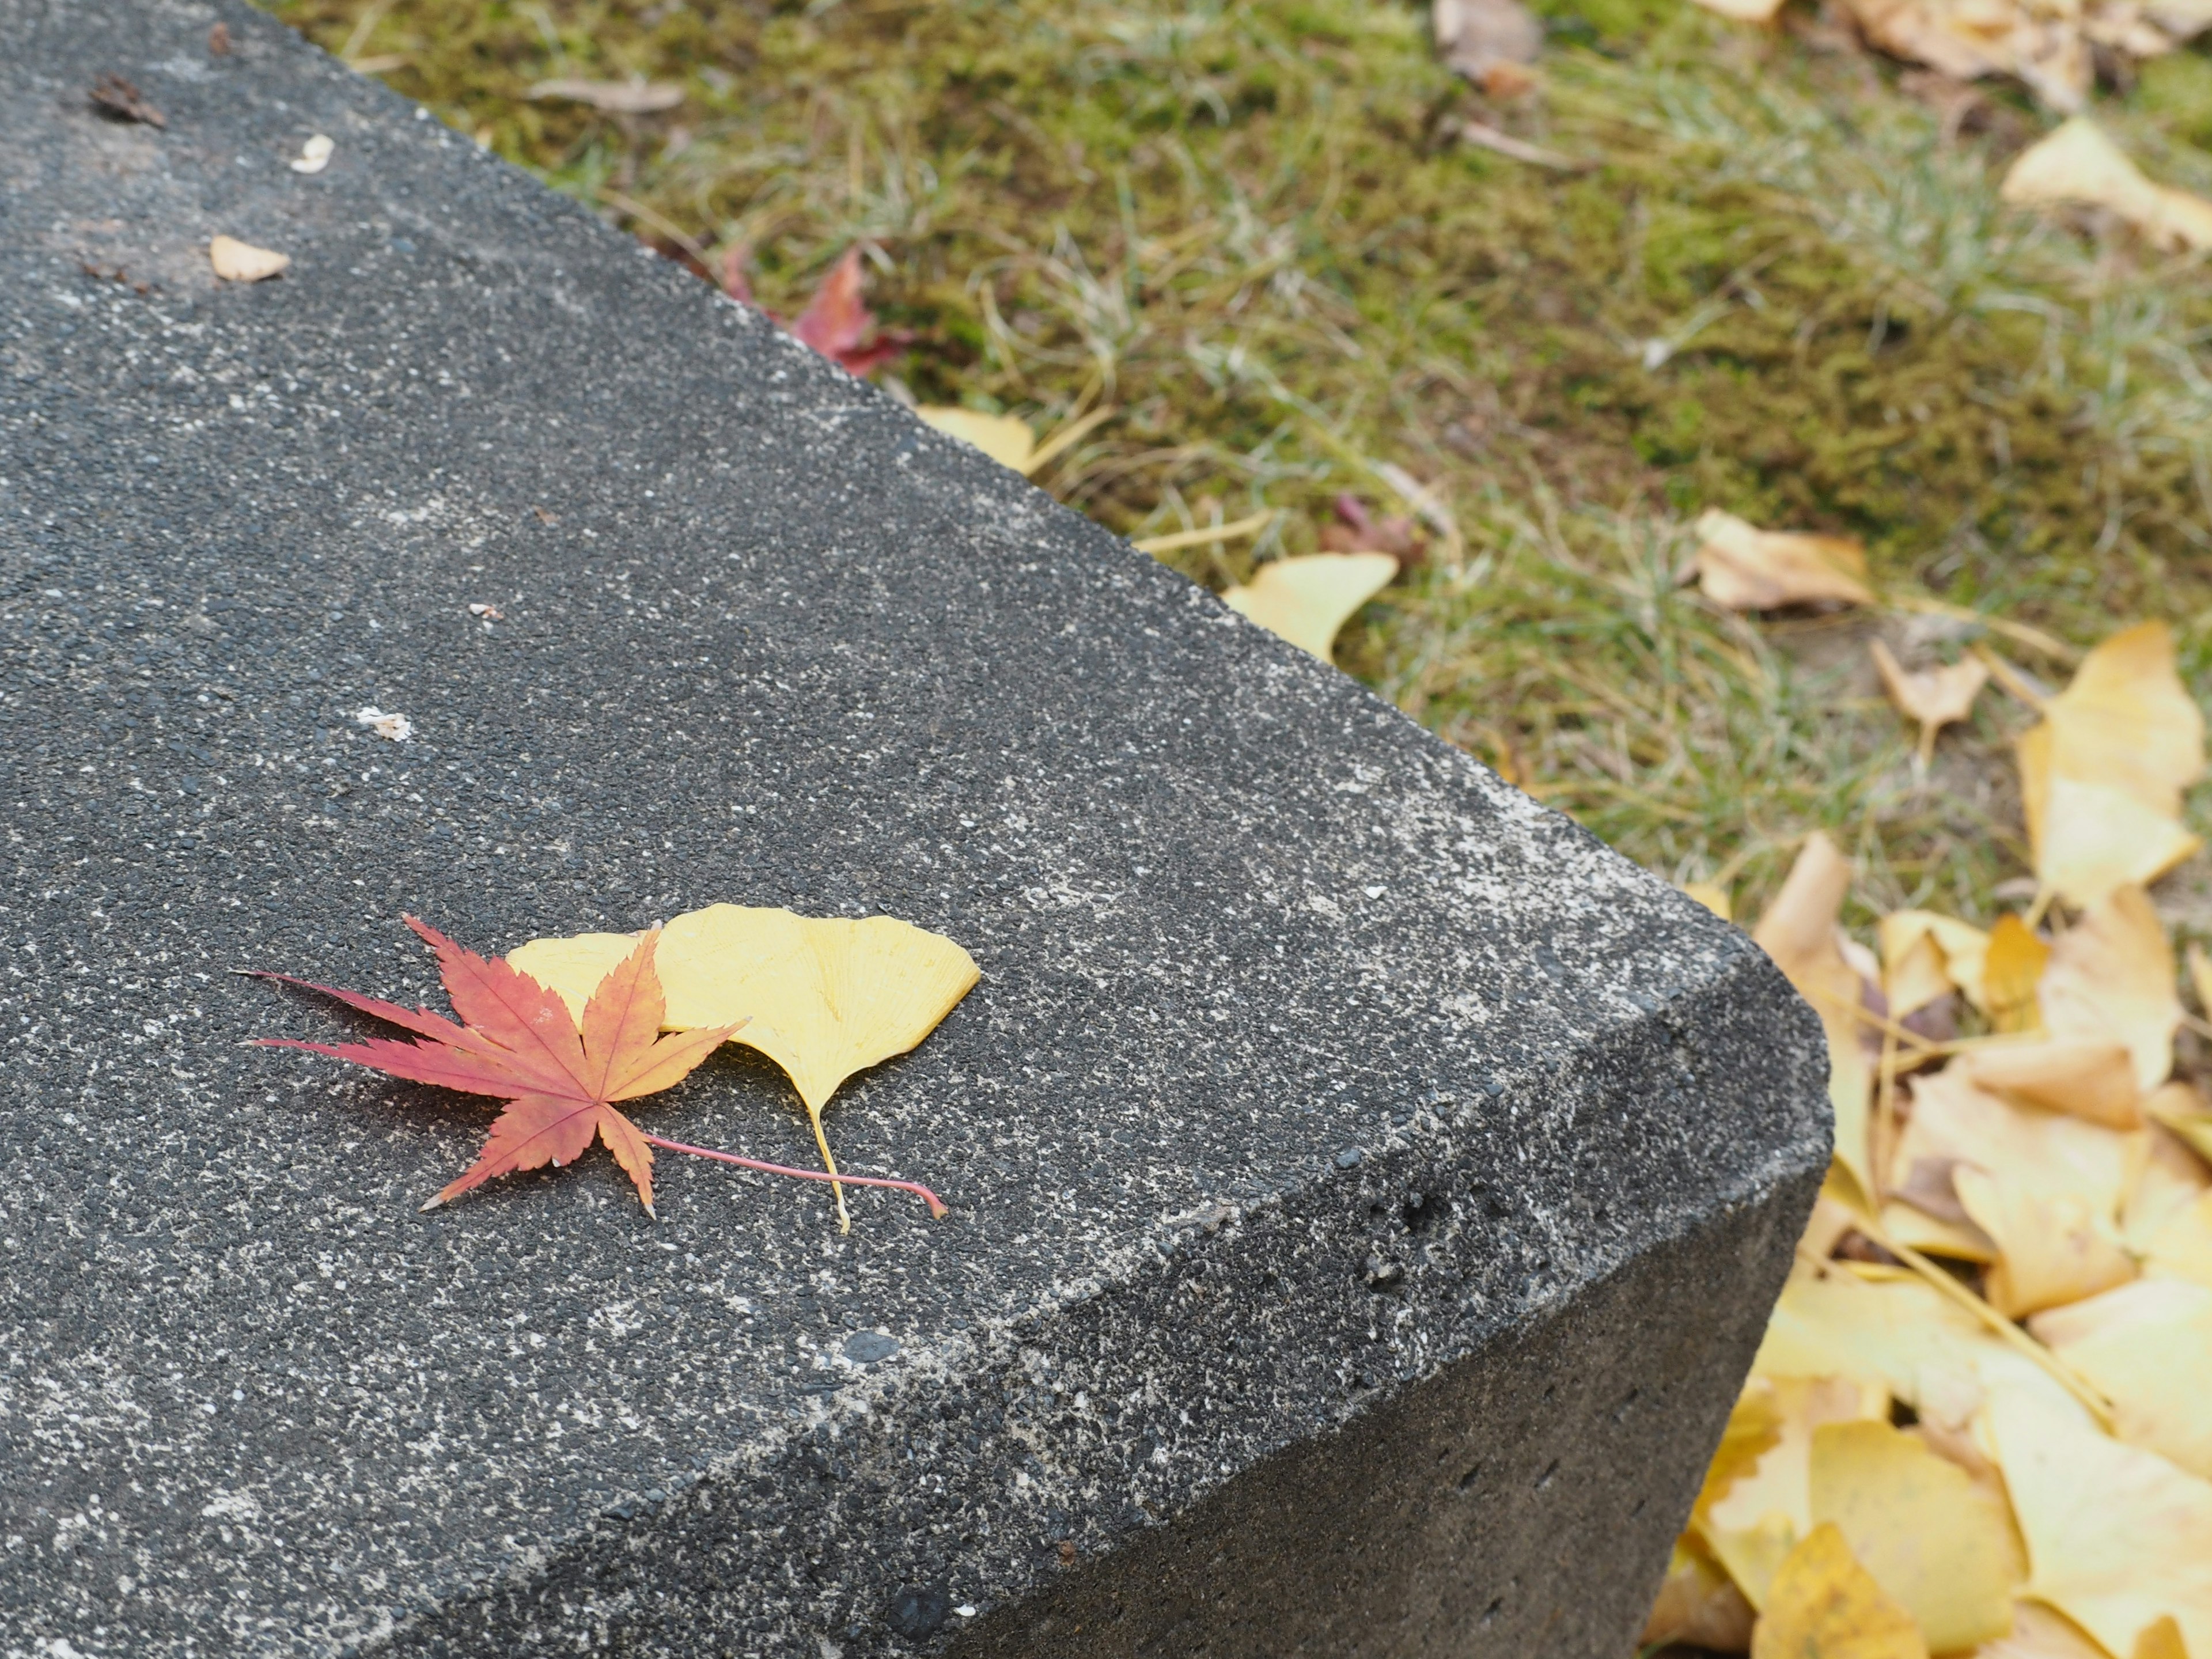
(937, 1208)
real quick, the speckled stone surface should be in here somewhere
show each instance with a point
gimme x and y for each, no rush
(1367, 1190)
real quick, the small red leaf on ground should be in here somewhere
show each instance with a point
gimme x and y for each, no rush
(837, 322)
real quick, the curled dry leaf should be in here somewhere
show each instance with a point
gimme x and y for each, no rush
(397, 728)
(2148, 1348)
(2118, 1537)
(825, 997)
(1741, 567)
(614, 97)
(122, 99)
(1745, 11)
(1934, 697)
(1482, 38)
(1007, 439)
(2079, 165)
(1799, 932)
(838, 324)
(2101, 777)
(241, 262)
(1825, 1605)
(1306, 600)
(315, 155)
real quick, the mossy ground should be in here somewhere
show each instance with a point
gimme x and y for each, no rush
(1251, 230)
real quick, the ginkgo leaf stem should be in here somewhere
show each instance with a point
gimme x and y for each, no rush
(829, 1162)
(937, 1208)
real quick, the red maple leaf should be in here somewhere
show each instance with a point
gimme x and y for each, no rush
(836, 320)
(520, 1044)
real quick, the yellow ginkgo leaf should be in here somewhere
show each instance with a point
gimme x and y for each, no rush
(1962, 949)
(1942, 1546)
(1757, 1500)
(1007, 439)
(2147, 1348)
(2101, 777)
(1799, 932)
(823, 997)
(1308, 599)
(2118, 1537)
(2078, 165)
(2183, 1112)
(2110, 978)
(2039, 1633)
(1893, 1331)
(2200, 978)
(241, 262)
(2011, 968)
(2181, 1245)
(1825, 1605)
(2166, 1173)
(1934, 697)
(1742, 568)
(2053, 1248)
(2161, 1639)
(2091, 1078)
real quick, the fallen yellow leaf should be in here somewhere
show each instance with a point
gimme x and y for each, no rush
(637, 97)
(2044, 1185)
(2092, 1079)
(2182, 1111)
(2039, 1633)
(1962, 950)
(1307, 598)
(1007, 439)
(2165, 1175)
(2118, 1537)
(2110, 978)
(1799, 933)
(1942, 1546)
(2181, 1246)
(1934, 697)
(2101, 777)
(1825, 1605)
(2011, 968)
(241, 262)
(2078, 165)
(2053, 1248)
(1967, 38)
(1757, 1500)
(1741, 567)
(823, 997)
(2161, 1639)
(2200, 978)
(2148, 1348)
(1698, 1604)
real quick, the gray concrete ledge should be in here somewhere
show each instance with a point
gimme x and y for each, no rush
(1367, 1189)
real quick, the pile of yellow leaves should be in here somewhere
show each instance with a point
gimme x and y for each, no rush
(1981, 1419)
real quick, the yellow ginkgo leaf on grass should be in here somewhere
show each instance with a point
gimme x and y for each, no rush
(1824, 1605)
(1742, 568)
(1799, 932)
(2148, 1348)
(1307, 598)
(2118, 1537)
(2078, 165)
(2101, 777)
(823, 997)
(1714, 897)
(1007, 439)
(1938, 1543)
(2110, 977)
(1934, 697)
